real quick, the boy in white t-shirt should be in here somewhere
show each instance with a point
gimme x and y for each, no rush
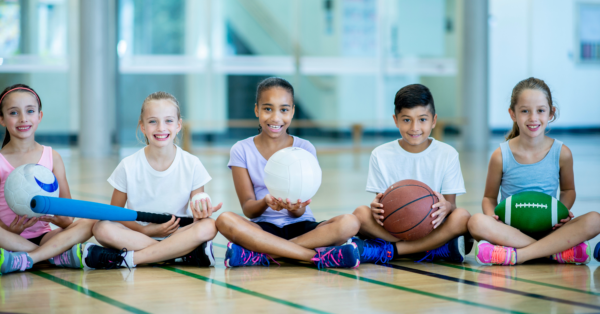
(419, 157)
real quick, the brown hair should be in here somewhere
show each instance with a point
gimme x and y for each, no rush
(529, 83)
(158, 96)
(17, 88)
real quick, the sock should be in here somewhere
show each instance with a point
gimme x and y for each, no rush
(395, 254)
(29, 261)
(128, 259)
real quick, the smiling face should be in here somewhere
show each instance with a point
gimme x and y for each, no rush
(20, 114)
(160, 123)
(532, 113)
(415, 125)
(274, 110)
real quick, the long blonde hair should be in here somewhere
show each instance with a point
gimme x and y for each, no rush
(157, 96)
(529, 83)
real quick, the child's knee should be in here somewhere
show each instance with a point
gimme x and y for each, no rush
(477, 224)
(225, 220)
(592, 223)
(102, 231)
(363, 213)
(205, 230)
(349, 225)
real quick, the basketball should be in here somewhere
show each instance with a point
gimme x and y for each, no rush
(407, 209)
(293, 173)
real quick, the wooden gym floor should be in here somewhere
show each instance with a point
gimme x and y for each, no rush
(403, 286)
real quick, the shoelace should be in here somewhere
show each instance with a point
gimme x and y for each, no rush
(62, 259)
(568, 256)
(256, 258)
(376, 252)
(328, 259)
(20, 262)
(113, 260)
(499, 255)
(442, 251)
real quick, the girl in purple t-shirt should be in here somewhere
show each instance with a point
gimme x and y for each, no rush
(276, 227)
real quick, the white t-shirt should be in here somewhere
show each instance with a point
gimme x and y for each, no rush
(437, 166)
(154, 191)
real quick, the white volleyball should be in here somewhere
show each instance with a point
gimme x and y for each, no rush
(24, 183)
(293, 173)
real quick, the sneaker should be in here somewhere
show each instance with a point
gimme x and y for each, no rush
(98, 257)
(374, 250)
(579, 254)
(202, 256)
(452, 251)
(237, 256)
(597, 252)
(71, 258)
(14, 261)
(345, 256)
(489, 254)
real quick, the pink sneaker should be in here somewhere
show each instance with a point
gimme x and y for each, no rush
(579, 254)
(489, 254)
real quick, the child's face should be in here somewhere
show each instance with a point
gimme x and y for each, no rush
(275, 110)
(160, 123)
(415, 124)
(532, 113)
(21, 114)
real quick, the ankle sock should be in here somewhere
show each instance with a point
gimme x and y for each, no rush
(128, 259)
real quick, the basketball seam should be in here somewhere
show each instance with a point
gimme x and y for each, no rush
(414, 225)
(428, 190)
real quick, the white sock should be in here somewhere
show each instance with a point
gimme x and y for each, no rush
(128, 261)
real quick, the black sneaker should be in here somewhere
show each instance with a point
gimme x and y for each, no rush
(202, 256)
(98, 257)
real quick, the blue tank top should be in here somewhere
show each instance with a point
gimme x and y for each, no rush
(542, 176)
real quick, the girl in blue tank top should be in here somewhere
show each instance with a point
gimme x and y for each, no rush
(531, 161)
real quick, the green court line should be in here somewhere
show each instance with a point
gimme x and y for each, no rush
(518, 279)
(242, 290)
(393, 286)
(88, 292)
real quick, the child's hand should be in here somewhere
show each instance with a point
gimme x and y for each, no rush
(161, 230)
(199, 213)
(563, 221)
(377, 209)
(59, 221)
(273, 202)
(443, 208)
(287, 204)
(21, 223)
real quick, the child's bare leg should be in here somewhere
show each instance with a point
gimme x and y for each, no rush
(572, 233)
(455, 225)
(335, 231)
(14, 242)
(369, 227)
(148, 250)
(79, 231)
(484, 227)
(250, 236)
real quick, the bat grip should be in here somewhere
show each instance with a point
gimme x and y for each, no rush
(162, 218)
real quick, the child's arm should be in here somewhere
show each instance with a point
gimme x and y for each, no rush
(244, 188)
(152, 230)
(492, 184)
(567, 182)
(197, 211)
(64, 192)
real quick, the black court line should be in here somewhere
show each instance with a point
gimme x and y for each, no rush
(539, 283)
(491, 287)
(90, 293)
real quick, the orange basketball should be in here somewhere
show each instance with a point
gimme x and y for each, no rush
(407, 209)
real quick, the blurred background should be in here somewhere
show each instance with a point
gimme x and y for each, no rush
(94, 62)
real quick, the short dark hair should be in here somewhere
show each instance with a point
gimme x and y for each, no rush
(413, 95)
(273, 82)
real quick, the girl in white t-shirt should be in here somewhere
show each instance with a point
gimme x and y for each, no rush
(160, 178)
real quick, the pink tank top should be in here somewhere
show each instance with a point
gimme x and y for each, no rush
(6, 214)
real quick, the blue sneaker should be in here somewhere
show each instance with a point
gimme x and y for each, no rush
(237, 256)
(14, 261)
(345, 256)
(452, 251)
(597, 252)
(374, 250)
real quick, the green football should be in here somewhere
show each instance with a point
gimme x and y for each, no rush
(531, 211)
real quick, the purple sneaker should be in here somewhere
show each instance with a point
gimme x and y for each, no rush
(237, 256)
(14, 261)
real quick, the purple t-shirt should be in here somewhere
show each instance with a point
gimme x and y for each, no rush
(244, 154)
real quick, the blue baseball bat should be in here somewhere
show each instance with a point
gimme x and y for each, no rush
(82, 209)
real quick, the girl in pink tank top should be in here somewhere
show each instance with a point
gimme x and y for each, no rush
(24, 240)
